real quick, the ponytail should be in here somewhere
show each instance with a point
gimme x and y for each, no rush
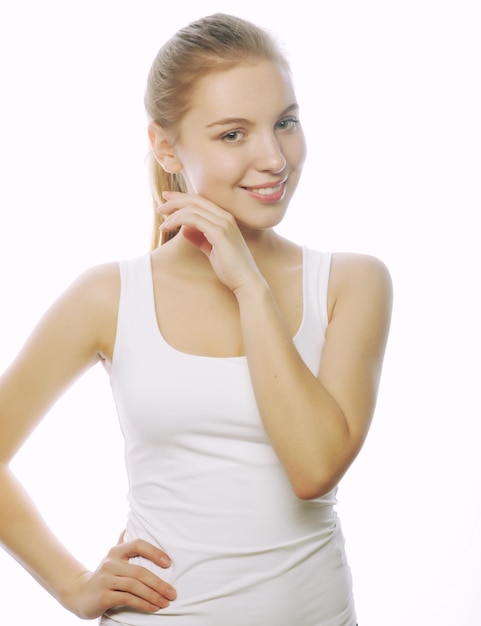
(161, 181)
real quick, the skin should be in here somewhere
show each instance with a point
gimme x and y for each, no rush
(245, 283)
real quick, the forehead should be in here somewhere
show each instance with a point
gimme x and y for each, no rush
(246, 90)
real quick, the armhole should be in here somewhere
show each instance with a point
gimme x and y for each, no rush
(118, 334)
(136, 305)
(324, 275)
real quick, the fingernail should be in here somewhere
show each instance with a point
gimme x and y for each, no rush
(166, 223)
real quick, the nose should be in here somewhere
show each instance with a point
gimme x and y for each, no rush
(269, 156)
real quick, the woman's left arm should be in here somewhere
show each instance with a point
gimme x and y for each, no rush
(317, 425)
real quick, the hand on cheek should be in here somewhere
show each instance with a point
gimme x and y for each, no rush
(215, 232)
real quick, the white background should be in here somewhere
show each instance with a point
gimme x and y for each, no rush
(390, 101)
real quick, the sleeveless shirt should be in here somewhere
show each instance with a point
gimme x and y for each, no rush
(206, 486)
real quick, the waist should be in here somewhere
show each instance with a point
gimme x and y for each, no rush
(302, 581)
(238, 508)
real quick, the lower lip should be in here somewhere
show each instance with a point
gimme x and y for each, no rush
(268, 198)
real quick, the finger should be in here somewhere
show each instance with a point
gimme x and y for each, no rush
(176, 200)
(197, 238)
(137, 580)
(207, 222)
(121, 598)
(144, 579)
(142, 583)
(129, 601)
(139, 547)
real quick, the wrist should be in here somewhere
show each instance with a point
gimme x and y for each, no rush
(255, 290)
(70, 592)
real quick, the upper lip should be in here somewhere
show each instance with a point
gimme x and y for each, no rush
(275, 183)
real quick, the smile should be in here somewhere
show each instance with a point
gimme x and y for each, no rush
(268, 192)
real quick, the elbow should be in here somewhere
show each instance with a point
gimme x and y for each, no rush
(308, 492)
(312, 487)
(315, 479)
(317, 473)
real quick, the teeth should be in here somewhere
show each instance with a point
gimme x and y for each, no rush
(268, 191)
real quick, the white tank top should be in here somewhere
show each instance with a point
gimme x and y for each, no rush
(206, 486)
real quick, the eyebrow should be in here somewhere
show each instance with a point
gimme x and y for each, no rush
(242, 120)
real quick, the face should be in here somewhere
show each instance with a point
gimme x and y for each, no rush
(241, 145)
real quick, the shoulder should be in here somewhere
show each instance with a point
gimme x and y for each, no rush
(100, 280)
(360, 279)
(353, 267)
(97, 288)
(90, 305)
(75, 332)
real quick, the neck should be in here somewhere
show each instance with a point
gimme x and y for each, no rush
(266, 246)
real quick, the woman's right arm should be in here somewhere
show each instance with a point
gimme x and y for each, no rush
(75, 333)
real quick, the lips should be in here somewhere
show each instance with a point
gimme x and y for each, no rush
(268, 190)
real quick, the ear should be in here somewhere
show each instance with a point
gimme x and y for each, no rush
(163, 149)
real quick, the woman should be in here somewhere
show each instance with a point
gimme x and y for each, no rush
(244, 367)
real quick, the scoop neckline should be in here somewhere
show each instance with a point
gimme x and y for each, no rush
(241, 357)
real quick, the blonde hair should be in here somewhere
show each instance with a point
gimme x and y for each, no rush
(212, 44)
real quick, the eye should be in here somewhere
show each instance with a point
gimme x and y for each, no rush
(233, 136)
(290, 123)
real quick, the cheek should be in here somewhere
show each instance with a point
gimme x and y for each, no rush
(298, 151)
(196, 176)
(217, 175)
